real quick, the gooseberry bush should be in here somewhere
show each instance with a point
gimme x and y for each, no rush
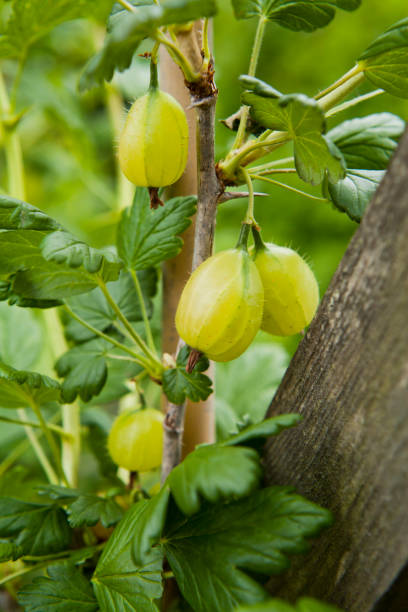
(111, 533)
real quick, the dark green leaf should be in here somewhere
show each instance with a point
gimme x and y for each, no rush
(94, 308)
(89, 509)
(63, 248)
(19, 388)
(121, 581)
(58, 493)
(214, 473)
(303, 120)
(305, 604)
(368, 142)
(84, 369)
(150, 525)
(32, 19)
(353, 194)
(179, 384)
(385, 61)
(259, 87)
(255, 534)
(255, 435)
(64, 590)
(126, 34)
(146, 237)
(305, 15)
(9, 551)
(37, 528)
(98, 425)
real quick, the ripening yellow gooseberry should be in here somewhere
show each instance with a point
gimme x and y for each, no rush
(291, 289)
(153, 145)
(135, 440)
(220, 309)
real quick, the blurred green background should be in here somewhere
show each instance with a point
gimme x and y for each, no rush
(69, 146)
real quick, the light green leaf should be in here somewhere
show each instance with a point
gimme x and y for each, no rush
(305, 604)
(353, 194)
(94, 308)
(368, 142)
(19, 389)
(38, 529)
(303, 120)
(304, 15)
(127, 32)
(255, 435)
(63, 248)
(9, 551)
(120, 581)
(16, 214)
(89, 509)
(30, 20)
(385, 61)
(146, 237)
(255, 534)
(65, 589)
(21, 337)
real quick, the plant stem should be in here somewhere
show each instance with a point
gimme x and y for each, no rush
(346, 105)
(37, 448)
(145, 363)
(178, 57)
(341, 92)
(50, 439)
(346, 77)
(15, 171)
(273, 164)
(127, 5)
(71, 447)
(249, 217)
(260, 30)
(299, 191)
(135, 336)
(55, 428)
(206, 47)
(146, 321)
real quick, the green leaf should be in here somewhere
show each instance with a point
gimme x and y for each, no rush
(84, 369)
(179, 384)
(19, 388)
(298, 15)
(30, 20)
(241, 393)
(9, 551)
(261, 88)
(122, 580)
(353, 194)
(98, 425)
(214, 473)
(255, 435)
(368, 142)
(385, 61)
(16, 214)
(37, 528)
(146, 237)
(305, 604)
(64, 589)
(254, 534)
(126, 34)
(303, 120)
(21, 337)
(150, 525)
(63, 248)
(94, 308)
(89, 509)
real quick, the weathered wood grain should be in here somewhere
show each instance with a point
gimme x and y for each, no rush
(349, 380)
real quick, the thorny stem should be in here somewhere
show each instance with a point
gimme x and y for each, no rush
(146, 321)
(260, 30)
(140, 359)
(299, 191)
(37, 448)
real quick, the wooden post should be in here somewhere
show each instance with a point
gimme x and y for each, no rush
(349, 380)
